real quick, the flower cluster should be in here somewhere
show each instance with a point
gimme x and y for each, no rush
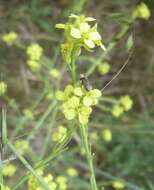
(77, 102)
(104, 68)
(62, 183)
(2, 187)
(34, 53)
(125, 103)
(9, 38)
(22, 146)
(9, 170)
(33, 183)
(142, 11)
(3, 88)
(59, 134)
(79, 33)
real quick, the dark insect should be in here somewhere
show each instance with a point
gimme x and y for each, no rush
(85, 82)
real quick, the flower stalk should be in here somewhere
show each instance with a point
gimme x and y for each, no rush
(89, 156)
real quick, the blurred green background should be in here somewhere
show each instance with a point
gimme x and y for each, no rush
(129, 154)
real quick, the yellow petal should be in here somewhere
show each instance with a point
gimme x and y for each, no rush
(75, 33)
(89, 43)
(84, 27)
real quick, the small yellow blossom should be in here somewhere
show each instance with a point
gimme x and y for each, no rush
(34, 65)
(104, 68)
(127, 102)
(118, 184)
(22, 146)
(117, 110)
(107, 135)
(72, 172)
(33, 183)
(54, 73)
(3, 88)
(9, 38)
(62, 182)
(34, 52)
(9, 170)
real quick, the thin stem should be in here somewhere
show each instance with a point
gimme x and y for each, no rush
(88, 153)
(72, 67)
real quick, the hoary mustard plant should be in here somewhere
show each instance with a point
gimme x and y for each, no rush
(78, 101)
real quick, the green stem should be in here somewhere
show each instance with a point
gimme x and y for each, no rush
(72, 67)
(87, 149)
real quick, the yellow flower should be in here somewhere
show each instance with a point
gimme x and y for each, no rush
(9, 170)
(3, 88)
(33, 183)
(60, 134)
(9, 38)
(34, 65)
(22, 146)
(34, 52)
(127, 102)
(118, 184)
(79, 33)
(77, 102)
(142, 11)
(117, 110)
(2, 187)
(104, 68)
(54, 73)
(72, 172)
(107, 135)
(62, 182)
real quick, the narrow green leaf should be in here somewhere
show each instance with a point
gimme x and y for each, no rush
(130, 42)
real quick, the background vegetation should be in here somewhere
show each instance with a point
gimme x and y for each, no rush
(123, 146)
